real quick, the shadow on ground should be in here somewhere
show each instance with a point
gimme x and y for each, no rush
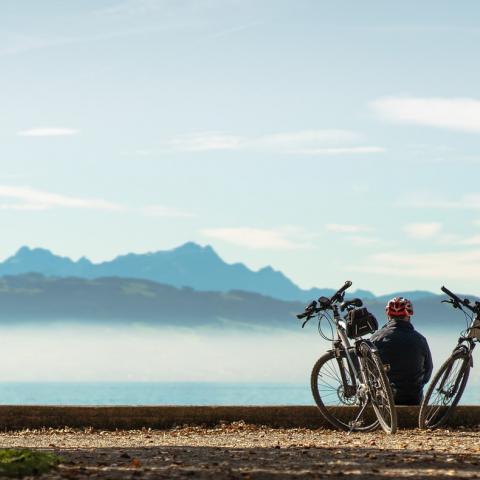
(265, 463)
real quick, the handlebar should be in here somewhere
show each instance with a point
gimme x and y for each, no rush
(310, 309)
(338, 295)
(325, 303)
(457, 301)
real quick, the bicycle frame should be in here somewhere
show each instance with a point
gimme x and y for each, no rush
(342, 345)
(467, 343)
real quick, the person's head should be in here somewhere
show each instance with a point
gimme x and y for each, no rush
(399, 308)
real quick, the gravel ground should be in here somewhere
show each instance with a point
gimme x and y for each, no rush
(239, 451)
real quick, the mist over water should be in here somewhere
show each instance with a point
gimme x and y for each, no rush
(218, 362)
(104, 353)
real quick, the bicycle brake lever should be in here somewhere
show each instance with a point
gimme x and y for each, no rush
(305, 322)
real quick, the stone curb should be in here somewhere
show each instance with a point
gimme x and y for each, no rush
(17, 417)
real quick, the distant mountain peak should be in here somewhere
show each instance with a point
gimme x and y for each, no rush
(266, 269)
(26, 252)
(189, 246)
(84, 261)
(192, 247)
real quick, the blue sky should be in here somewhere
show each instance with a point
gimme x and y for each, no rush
(329, 139)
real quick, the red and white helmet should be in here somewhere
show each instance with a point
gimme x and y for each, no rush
(399, 307)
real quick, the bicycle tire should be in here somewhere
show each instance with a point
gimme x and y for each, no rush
(430, 419)
(326, 410)
(381, 394)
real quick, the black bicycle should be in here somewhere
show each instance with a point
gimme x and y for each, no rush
(448, 384)
(350, 376)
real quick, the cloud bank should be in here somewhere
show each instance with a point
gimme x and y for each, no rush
(462, 114)
(48, 132)
(306, 142)
(26, 198)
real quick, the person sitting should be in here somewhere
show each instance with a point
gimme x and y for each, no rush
(405, 351)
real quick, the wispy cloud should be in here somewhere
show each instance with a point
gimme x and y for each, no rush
(199, 142)
(48, 132)
(425, 230)
(305, 142)
(450, 113)
(288, 238)
(473, 240)
(25, 207)
(135, 7)
(340, 150)
(14, 44)
(440, 265)
(26, 198)
(358, 235)
(164, 211)
(329, 136)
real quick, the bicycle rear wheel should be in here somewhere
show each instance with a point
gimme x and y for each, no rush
(380, 392)
(445, 390)
(333, 387)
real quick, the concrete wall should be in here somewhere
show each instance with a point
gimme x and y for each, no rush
(14, 417)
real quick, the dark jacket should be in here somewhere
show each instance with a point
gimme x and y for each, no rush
(408, 354)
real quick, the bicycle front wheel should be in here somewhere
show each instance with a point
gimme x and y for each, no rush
(380, 392)
(337, 395)
(445, 391)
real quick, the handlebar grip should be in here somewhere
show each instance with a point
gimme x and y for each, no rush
(301, 315)
(451, 294)
(457, 299)
(337, 295)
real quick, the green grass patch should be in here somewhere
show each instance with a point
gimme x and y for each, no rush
(17, 463)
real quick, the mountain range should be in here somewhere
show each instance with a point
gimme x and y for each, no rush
(36, 299)
(189, 265)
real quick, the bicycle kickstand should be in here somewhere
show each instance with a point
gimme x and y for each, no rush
(352, 424)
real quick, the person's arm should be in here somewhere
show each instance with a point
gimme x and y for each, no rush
(428, 364)
(377, 337)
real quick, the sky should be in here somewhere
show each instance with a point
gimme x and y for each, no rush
(332, 140)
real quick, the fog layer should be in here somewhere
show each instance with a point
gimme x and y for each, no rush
(103, 353)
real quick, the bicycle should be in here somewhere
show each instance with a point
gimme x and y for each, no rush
(448, 384)
(350, 376)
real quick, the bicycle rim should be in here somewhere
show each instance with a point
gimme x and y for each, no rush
(445, 391)
(380, 391)
(329, 392)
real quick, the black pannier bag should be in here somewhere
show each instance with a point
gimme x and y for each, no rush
(360, 322)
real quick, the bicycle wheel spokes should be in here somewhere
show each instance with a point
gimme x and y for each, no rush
(333, 386)
(445, 391)
(379, 390)
(330, 383)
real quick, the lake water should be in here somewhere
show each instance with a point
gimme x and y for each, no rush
(167, 393)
